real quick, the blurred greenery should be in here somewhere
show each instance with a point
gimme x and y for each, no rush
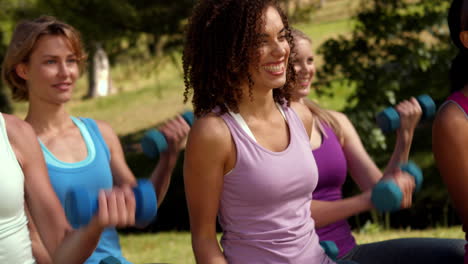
(371, 54)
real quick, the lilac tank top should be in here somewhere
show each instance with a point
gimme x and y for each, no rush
(265, 203)
(462, 102)
(332, 169)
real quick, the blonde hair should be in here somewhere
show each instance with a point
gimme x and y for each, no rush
(322, 115)
(23, 42)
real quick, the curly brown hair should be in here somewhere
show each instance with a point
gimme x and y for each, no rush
(221, 42)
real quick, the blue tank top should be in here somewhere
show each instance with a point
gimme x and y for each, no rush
(94, 173)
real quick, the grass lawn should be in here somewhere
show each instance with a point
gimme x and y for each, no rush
(175, 247)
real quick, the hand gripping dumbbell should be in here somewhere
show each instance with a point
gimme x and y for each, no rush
(82, 204)
(386, 195)
(389, 120)
(110, 260)
(154, 142)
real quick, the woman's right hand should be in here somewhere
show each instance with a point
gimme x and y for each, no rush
(116, 208)
(406, 184)
(410, 113)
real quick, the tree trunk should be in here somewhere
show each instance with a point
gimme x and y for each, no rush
(99, 74)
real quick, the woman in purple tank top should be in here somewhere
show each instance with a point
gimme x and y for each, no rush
(338, 150)
(450, 128)
(247, 155)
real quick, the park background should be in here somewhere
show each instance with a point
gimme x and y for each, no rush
(369, 55)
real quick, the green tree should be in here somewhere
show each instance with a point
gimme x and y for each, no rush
(6, 17)
(133, 29)
(398, 49)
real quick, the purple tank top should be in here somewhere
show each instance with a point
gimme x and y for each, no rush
(332, 169)
(462, 101)
(265, 204)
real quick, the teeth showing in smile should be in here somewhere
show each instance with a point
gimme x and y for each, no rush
(274, 68)
(304, 82)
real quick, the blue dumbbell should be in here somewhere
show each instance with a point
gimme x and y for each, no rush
(386, 195)
(154, 142)
(81, 204)
(110, 260)
(330, 248)
(389, 120)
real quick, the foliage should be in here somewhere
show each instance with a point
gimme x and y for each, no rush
(120, 24)
(398, 49)
(5, 25)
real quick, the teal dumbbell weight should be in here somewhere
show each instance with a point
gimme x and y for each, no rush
(386, 195)
(154, 142)
(330, 248)
(389, 120)
(81, 204)
(110, 260)
(332, 251)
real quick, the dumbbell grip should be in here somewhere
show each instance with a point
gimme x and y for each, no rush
(389, 120)
(386, 195)
(81, 205)
(154, 142)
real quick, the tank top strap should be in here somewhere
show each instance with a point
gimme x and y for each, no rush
(96, 134)
(460, 100)
(296, 124)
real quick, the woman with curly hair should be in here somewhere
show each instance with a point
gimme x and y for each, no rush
(449, 140)
(247, 159)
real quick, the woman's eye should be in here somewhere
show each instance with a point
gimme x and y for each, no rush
(49, 61)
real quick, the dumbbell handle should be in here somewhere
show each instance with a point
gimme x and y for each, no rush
(154, 142)
(81, 205)
(389, 120)
(386, 195)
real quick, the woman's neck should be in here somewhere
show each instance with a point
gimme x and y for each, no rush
(45, 118)
(257, 104)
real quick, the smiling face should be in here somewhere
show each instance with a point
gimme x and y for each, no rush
(51, 71)
(269, 70)
(305, 68)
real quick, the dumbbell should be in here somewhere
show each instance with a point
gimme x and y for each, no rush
(386, 195)
(330, 248)
(81, 204)
(154, 142)
(389, 120)
(110, 260)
